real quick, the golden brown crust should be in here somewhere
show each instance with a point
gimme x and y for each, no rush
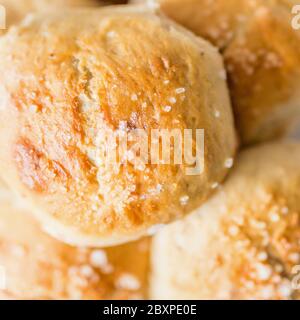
(216, 21)
(39, 267)
(243, 243)
(67, 82)
(263, 63)
(261, 51)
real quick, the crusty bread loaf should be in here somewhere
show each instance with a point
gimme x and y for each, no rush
(244, 243)
(65, 84)
(36, 266)
(262, 57)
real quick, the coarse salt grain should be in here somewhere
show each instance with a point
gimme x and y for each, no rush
(111, 34)
(86, 271)
(294, 257)
(33, 108)
(180, 90)
(184, 200)
(172, 100)
(134, 97)
(285, 290)
(98, 258)
(263, 272)
(217, 114)
(262, 256)
(129, 282)
(229, 163)
(233, 230)
(274, 217)
(215, 185)
(159, 187)
(167, 108)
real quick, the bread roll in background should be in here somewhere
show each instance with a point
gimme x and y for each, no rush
(263, 63)
(244, 243)
(38, 267)
(215, 20)
(262, 57)
(65, 84)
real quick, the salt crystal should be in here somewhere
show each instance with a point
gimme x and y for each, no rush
(262, 256)
(274, 217)
(263, 272)
(167, 108)
(294, 257)
(184, 200)
(111, 34)
(217, 114)
(173, 100)
(129, 282)
(33, 108)
(134, 97)
(86, 271)
(229, 163)
(233, 230)
(98, 258)
(215, 185)
(159, 187)
(180, 90)
(285, 290)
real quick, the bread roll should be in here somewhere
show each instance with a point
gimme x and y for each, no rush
(70, 83)
(244, 243)
(262, 57)
(215, 20)
(263, 63)
(36, 266)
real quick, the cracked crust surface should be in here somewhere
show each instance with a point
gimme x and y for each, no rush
(244, 243)
(66, 83)
(261, 52)
(37, 266)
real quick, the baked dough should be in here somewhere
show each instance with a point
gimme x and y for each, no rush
(36, 266)
(262, 58)
(69, 83)
(263, 63)
(244, 243)
(215, 20)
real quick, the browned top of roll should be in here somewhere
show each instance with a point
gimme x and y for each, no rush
(65, 83)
